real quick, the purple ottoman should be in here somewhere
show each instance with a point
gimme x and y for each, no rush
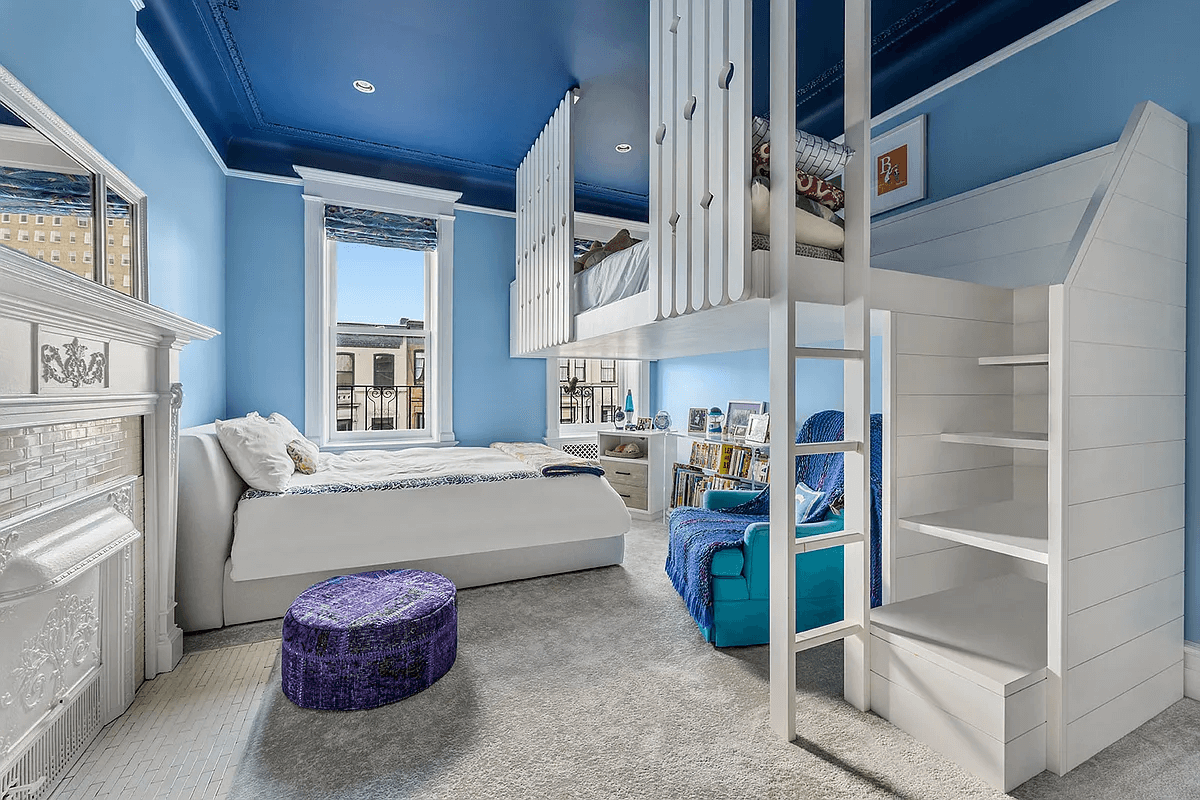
(361, 641)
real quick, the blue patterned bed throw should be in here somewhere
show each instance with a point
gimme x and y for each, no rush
(549, 462)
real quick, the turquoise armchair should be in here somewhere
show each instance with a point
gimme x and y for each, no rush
(741, 579)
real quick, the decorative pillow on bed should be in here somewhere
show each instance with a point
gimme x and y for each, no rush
(622, 241)
(807, 185)
(304, 455)
(814, 155)
(811, 228)
(257, 450)
(583, 260)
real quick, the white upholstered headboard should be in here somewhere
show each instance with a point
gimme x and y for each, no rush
(209, 489)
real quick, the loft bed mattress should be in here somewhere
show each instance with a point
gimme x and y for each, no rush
(381, 507)
(621, 275)
(762, 241)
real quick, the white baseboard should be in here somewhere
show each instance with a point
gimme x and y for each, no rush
(1191, 670)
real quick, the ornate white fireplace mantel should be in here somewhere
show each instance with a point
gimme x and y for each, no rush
(74, 351)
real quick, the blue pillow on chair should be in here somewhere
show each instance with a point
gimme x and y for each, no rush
(806, 498)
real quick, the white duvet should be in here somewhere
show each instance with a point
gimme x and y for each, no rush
(621, 275)
(299, 532)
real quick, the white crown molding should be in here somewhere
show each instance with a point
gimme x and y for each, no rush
(1191, 670)
(585, 220)
(263, 177)
(495, 212)
(173, 90)
(341, 180)
(1041, 34)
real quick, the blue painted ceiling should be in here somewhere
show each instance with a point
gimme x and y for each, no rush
(464, 86)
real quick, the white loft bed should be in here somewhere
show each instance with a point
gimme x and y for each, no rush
(1033, 402)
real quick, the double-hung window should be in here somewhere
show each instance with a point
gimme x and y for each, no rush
(379, 261)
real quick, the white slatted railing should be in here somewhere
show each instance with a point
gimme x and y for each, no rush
(699, 154)
(545, 239)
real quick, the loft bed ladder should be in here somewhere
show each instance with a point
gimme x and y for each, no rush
(854, 628)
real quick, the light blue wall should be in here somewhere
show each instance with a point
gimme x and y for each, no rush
(678, 384)
(1071, 93)
(97, 79)
(264, 294)
(496, 398)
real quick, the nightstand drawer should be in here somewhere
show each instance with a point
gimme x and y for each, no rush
(634, 497)
(626, 473)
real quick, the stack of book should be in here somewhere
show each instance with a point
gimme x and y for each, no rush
(730, 460)
(718, 465)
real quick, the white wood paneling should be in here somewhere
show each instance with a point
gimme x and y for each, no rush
(1003, 766)
(1115, 521)
(1108, 421)
(924, 413)
(1151, 230)
(1113, 572)
(926, 494)
(948, 336)
(1111, 319)
(925, 455)
(1096, 682)
(940, 570)
(1103, 472)
(1113, 370)
(1122, 270)
(1100, 628)
(949, 375)
(1093, 732)
(1001, 718)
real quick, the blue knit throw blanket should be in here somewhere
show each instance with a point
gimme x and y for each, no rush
(698, 534)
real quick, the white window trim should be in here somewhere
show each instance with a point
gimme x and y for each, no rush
(320, 293)
(556, 432)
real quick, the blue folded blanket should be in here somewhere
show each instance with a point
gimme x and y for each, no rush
(557, 470)
(697, 535)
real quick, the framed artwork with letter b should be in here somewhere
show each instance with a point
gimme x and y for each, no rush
(899, 157)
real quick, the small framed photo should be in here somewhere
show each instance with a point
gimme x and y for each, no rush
(899, 166)
(644, 423)
(737, 417)
(758, 429)
(697, 420)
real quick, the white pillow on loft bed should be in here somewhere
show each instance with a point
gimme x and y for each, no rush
(810, 229)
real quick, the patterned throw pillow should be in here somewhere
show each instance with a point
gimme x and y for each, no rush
(304, 455)
(809, 186)
(814, 155)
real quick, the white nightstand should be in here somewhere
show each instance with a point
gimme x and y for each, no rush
(639, 481)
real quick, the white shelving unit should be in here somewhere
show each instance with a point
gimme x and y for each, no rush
(639, 481)
(1033, 568)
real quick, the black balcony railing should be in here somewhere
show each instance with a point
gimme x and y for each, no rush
(380, 408)
(588, 403)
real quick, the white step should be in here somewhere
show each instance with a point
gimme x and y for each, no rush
(1032, 359)
(829, 352)
(964, 671)
(822, 541)
(825, 634)
(1010, 527)
(992, 632)
(812, 448)
(1020, 440)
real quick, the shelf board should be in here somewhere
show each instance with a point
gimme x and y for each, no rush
(1020, 440)
(1012, 528)
(992, 632)
(1029, 360)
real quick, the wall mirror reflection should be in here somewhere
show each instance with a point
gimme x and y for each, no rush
(57, 210)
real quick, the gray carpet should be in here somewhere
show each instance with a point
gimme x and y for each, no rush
(598, 685)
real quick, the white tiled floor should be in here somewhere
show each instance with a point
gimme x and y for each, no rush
(184, 734)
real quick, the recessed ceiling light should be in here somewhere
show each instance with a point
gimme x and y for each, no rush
(366, 87)
(624, 147)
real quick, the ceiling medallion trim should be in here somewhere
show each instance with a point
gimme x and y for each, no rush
(884, 40)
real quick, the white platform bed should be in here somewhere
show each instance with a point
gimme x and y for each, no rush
(245, 557)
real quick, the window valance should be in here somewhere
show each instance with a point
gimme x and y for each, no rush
(363, 226)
